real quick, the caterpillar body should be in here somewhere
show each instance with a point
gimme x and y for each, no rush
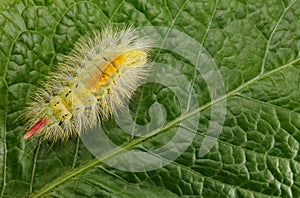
(96, 78)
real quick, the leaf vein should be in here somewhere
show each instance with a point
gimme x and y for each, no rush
(271, 36)
(115, 11)
(34, 167)
(269, 104)
(76, 152)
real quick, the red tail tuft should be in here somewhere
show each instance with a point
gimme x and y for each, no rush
(42, 122)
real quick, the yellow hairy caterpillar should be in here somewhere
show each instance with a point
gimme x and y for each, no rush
(96, 78)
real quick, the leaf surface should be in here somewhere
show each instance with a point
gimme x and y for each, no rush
(255, 45)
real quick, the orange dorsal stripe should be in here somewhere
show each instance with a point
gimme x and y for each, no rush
(100, 78)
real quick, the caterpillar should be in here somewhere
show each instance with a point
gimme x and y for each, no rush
(95, 79)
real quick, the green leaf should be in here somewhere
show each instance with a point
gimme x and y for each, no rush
(255, 45)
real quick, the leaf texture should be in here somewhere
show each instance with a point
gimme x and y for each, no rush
(256, 47)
